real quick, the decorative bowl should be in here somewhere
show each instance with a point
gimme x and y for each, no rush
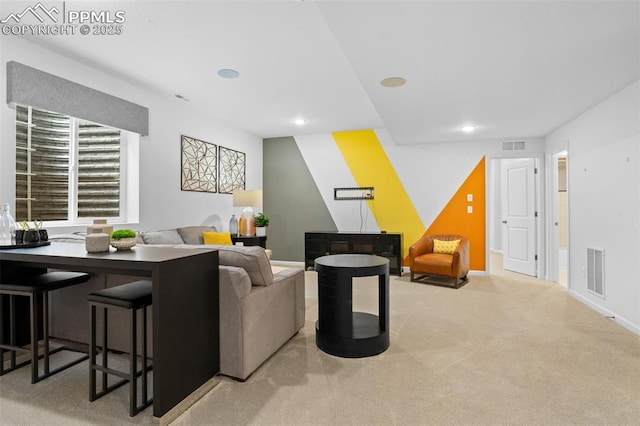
(123, 244)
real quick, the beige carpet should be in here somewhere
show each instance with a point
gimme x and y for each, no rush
(502, 350)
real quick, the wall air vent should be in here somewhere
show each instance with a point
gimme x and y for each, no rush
(595, 271)
(513, 146)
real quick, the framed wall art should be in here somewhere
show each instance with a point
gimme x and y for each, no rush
(232, 169)
(199, 162)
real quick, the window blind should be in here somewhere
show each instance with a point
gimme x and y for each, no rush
(98, 171)
(42, 165)
(45, 153)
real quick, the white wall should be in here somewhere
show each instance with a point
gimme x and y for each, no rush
(494, 200)
(162, 203)
(604, 201)
(445, 166)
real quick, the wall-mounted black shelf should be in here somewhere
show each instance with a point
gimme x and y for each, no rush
(353, 193)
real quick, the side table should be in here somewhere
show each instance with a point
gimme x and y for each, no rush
(339, 330)
(250, 241)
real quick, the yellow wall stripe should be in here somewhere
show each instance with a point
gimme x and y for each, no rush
(392, 208)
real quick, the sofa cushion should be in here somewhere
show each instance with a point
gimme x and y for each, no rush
(222, 238)
(252, 259)
(193, 234)
(169, 236)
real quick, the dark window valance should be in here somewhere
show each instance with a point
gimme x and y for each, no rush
(30, 86)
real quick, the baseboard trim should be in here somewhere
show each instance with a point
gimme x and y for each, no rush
(596, 307)
(186, 403)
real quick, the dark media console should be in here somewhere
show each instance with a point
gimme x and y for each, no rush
(317, 244)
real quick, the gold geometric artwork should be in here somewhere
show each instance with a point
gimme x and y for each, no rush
(199, 165)
(232, 165)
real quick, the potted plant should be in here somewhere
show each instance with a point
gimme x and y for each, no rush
(123, 239)
(262, 221)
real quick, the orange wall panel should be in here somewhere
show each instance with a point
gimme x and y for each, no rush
(454, 219)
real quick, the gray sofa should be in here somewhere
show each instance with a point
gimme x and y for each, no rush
(259, 310)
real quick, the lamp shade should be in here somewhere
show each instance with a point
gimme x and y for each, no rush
(247, 198)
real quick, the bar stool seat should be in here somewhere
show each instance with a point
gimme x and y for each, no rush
(35, 287)
(127, 296)
(131, 297)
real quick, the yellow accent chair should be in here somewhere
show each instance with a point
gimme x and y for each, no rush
(437, 259)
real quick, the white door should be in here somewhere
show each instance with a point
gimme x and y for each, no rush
(519, 215)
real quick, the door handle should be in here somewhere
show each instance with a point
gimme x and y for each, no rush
(504, 221)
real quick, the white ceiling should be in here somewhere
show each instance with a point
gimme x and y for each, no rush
(514, 69)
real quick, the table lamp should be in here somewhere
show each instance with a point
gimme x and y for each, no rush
(247, 199)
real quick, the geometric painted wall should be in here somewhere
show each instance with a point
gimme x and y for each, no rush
(291, 199)
(454, 218)
(370, 166)
(414, 192)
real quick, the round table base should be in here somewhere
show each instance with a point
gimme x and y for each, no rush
(366, 340)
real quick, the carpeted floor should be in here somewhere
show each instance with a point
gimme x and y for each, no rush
(503, 349)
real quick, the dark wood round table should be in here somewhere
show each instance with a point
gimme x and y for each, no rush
(339, 330)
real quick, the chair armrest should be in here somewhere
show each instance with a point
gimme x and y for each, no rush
(234, 283)
(461, 258)
(422, 246)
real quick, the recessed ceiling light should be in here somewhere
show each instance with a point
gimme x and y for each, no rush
(393, 82)
(468, 128)
(228, 73)
(299, 122)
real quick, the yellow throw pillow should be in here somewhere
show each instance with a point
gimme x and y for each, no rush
(446, 247)
(218, 238)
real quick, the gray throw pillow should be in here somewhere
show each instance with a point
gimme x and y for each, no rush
(169, 236)
(193, 234)
(253, 259)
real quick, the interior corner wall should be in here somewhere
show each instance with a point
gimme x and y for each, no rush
(604, 201)
(291, 200)
(163, 205)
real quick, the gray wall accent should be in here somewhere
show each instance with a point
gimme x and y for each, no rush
(32, 87)
(291, 199)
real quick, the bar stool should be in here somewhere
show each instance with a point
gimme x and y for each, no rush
(34, 287)
(132, 297)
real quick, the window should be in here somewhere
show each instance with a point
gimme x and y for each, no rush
(67, 169)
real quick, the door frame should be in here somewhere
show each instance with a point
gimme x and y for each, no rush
(553, 210)
(540, 195)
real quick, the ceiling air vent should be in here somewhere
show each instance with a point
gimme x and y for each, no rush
(513, 146)
(595, 271)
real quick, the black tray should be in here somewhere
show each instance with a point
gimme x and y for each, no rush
(28, 245)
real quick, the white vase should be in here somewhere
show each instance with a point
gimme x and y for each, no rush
(96, 241)
(261, 231)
